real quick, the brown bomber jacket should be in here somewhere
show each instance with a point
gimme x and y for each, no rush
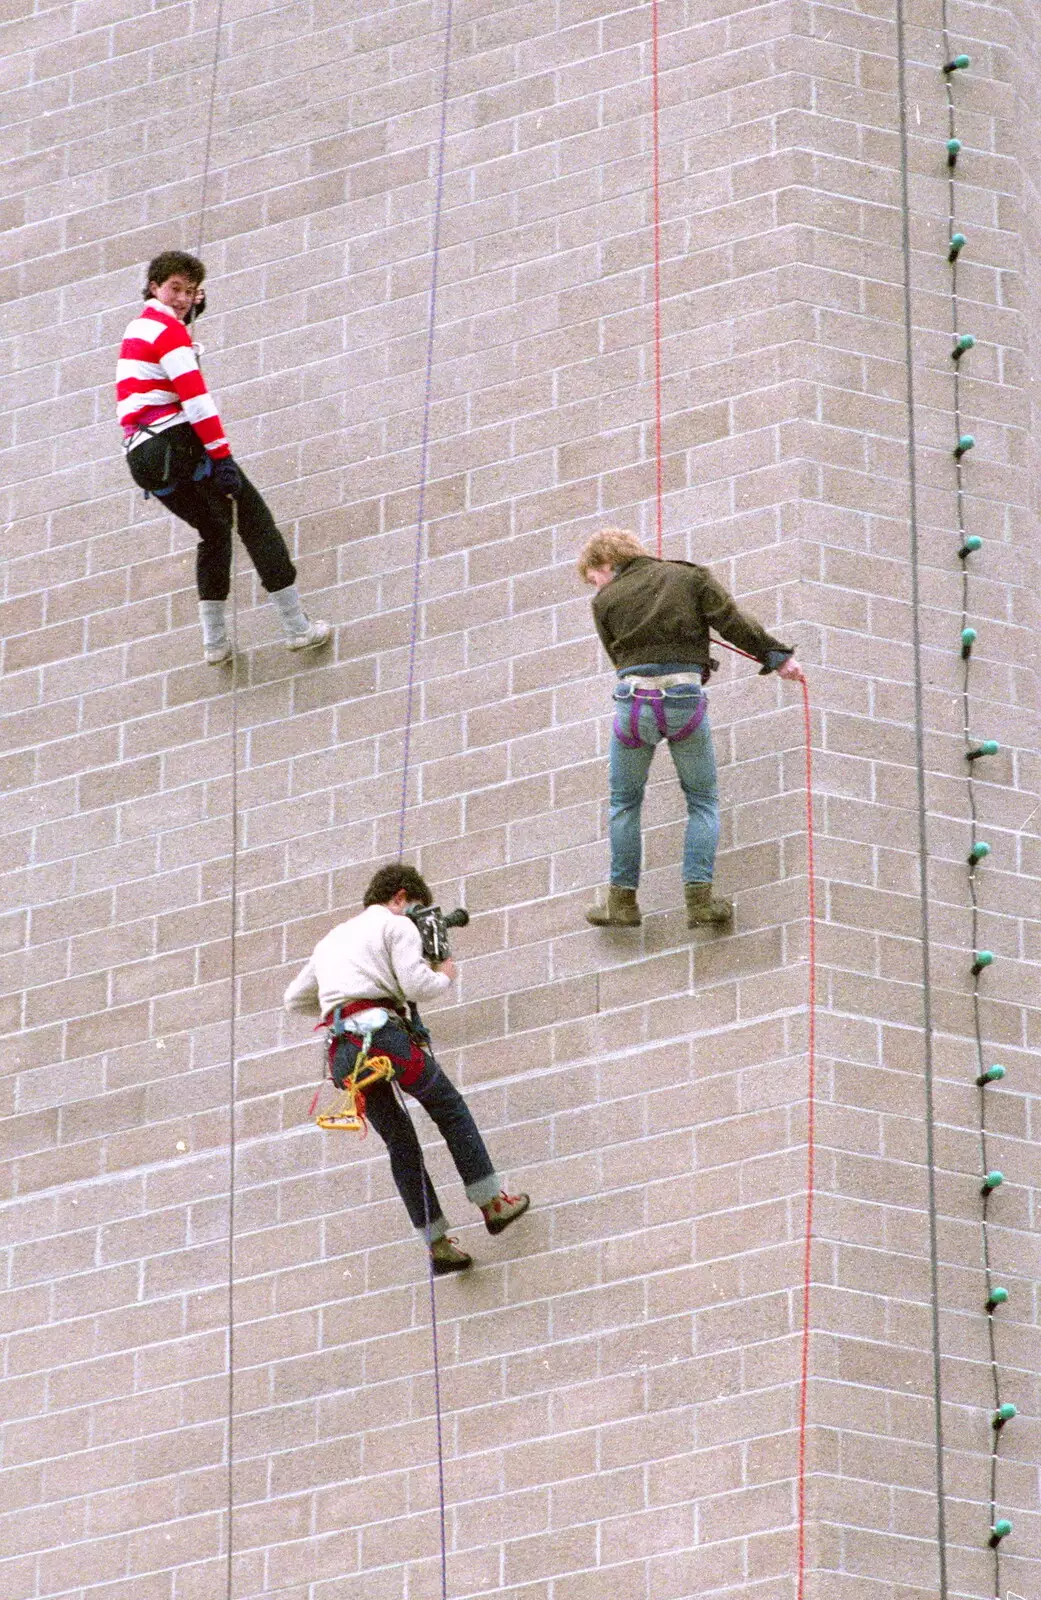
(653, 612)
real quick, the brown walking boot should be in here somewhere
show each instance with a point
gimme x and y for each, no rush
(503, 1210)
(621, 910)
(445, 1256)
(702, 910)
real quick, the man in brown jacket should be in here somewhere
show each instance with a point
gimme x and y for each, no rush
(653, 618)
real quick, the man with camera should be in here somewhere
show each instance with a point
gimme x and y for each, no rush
(366, 979)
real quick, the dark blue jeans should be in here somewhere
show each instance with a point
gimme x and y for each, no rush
(443, 1103)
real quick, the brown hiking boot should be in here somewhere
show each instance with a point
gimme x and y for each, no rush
(445, 1256)
(621, 910)
(503, 1210)
(702, 910)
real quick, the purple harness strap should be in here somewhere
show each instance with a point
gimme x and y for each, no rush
(656, 698)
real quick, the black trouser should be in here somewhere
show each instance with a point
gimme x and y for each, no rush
(172, 457)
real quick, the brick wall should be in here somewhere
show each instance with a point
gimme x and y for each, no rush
(620, 1377)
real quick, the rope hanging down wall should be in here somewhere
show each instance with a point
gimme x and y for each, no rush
(417, 563)
(656, 228)
(811, 1044)
(234, 843)
(1001, 1412)
(233, 894)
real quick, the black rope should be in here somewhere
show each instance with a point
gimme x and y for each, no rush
(970, 783)
(923, 841)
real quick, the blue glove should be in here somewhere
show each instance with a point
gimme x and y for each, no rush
(227, 478)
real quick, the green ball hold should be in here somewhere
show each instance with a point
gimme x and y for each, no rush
(984, 958)
(998, 1297)
(958, 243)
(994, 1180)
(1001, 1529)
(1005, 1413)
(965, 443)
(979, 850)
(972, 543)
(953, 147)
(994, 1074)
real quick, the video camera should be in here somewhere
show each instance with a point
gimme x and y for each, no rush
(433, 925)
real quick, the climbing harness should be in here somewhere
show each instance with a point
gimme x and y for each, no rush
(354, 1075)
(655, 698)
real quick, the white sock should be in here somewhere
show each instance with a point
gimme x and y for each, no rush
(214, 626)
(291, 613)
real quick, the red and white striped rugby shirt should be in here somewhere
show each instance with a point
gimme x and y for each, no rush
(158, 381)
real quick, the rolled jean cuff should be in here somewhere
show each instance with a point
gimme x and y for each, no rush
(484, 1189)
(437, 1229)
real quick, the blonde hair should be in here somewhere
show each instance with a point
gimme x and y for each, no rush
(611, 547)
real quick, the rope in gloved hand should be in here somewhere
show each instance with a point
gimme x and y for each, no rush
(811, 1141)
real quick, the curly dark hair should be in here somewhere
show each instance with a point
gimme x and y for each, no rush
(172, 263)
(396, 875)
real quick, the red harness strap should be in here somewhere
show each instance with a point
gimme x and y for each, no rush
(408, 1066)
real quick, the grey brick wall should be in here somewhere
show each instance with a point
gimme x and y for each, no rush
(620, 1376)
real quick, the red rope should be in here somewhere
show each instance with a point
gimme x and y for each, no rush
(656, 200)
(811, 1089)
(811, 1071)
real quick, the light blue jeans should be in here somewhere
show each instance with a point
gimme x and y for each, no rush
(695, 763)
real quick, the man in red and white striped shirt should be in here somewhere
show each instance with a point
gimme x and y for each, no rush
(176, 450)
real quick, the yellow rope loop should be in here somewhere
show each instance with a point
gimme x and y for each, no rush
(348, 1115)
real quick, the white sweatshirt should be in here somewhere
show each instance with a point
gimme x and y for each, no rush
(373, 955)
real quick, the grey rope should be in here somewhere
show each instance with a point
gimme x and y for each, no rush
(233, 882)
(207, 146)
(923, 841)
(233, 890)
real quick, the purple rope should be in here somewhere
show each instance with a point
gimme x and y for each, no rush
(437, 1400)
(424, 458)
(424, 453)
(437, 1360)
